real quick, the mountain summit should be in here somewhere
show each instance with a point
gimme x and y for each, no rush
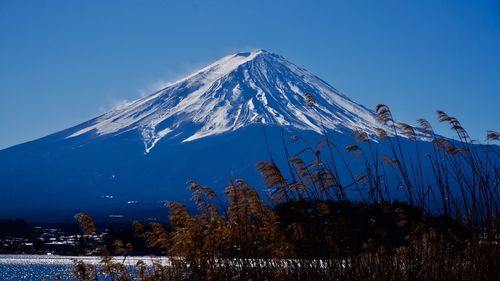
(234, 92)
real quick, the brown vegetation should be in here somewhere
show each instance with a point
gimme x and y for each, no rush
(310, 230)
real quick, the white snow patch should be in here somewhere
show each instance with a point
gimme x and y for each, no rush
(150, 142)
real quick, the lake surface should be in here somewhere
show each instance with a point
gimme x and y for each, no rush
(37, 267)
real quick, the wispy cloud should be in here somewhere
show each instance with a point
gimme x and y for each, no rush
(114, 105)
(172, 75)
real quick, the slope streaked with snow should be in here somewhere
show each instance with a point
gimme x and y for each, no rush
(233, 92)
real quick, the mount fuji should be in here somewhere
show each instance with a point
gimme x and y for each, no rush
(210, 126)
(234, 92)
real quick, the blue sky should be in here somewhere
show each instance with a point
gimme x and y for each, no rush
(64, 62)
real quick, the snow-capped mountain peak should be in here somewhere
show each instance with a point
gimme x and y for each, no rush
(236, 91)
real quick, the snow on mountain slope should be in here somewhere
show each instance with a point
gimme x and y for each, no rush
(233, 92)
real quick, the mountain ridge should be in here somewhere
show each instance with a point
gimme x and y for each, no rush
(233, 92)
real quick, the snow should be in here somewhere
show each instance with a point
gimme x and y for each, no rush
(151, 140)
(230, 94)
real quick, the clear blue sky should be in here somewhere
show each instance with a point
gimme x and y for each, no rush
(64, 62)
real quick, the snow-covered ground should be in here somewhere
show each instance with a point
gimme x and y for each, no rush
(236, 91)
